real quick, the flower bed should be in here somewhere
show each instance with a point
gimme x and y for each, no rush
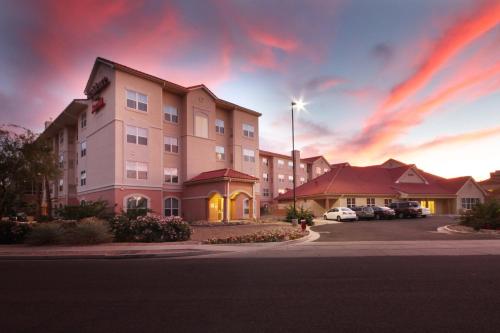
(277, 235)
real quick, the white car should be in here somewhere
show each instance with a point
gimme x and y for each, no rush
(340, 214)
(425, 211)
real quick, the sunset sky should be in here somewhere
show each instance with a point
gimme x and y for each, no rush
(416, 80)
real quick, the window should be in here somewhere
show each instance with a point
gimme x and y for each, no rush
(219, 126)
(219, 153)
(137, 203)
(281, 191)
(325, 170)
(281, 163)
(171, 144)
(265, 161)
(137, 135)
(302, 180)
(137, 170)
(370, 202)
(61, 185)
(468, 203)
(201, 126)
(318, 170)
(351, 202)
(265, 192)
(302, 166)
(137, 101)
(290, 164)
(170, 114)
(281, 178)
(83, 120)
(61, 137)
(248, 131)
(83, 178)
(171, 175)
(171, 207)
(246, 207)
(265, 177)
(61, 161)
(248, 155)
(290, 178)
(387, 202)
(83, 148)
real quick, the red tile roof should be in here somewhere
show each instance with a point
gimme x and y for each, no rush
(375, 180)
(222, 174)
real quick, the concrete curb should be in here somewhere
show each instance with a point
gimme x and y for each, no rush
(447, 229)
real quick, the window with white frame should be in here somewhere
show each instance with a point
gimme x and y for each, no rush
(171, 207)
(219, 126)
(137, 101)
(281, 191)
(387, 202)
(265, 161)
(220, 154)
(137, 203)
(170, 114)
(318, 170)
(302, 166)
(171, 144)
(468, 203)
(61, 185)
(171, 175)
(248, 131)
(83, 148)
(61, 160)
(281, 178)
(370, 202)
(290, 178)
(265, 177)
(201, 125)
(137, 135)
(248, 155)
(83, 120)
(137, 170)
(265, 192)
(351, 202)
(290, 164)
(83, 178)
(302, 180)
(281, 163)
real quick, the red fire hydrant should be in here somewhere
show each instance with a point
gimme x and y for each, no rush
(303, 225)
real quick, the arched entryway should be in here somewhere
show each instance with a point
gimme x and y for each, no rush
(215, 207)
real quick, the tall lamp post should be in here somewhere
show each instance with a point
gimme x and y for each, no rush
(293, 160)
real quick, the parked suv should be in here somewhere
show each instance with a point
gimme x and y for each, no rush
(382, 212)
(406, 209)
(364, 213)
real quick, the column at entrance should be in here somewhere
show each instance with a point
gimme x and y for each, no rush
(225, 208)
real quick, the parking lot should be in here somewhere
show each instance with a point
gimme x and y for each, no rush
(392, 230)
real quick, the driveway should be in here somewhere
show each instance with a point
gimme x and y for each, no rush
(392, 230)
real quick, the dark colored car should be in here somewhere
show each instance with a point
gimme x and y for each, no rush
(383, 213)
(364, 213)
(406, 209)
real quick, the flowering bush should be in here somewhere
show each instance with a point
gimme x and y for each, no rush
(151, 228)
(482, 216)
(12, 232)
(260, 237)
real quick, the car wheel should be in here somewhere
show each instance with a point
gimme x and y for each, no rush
(401, 215)
(339, 218)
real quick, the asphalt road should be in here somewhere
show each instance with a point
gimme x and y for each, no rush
(392, 230)
(376, 294)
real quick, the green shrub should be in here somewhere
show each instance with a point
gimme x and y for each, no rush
(482, 216)
(300, 214)
(46, 234)
(98, 209)
(88, 231)
(151, 228)
(12, 232)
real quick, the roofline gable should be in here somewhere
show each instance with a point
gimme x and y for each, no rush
(412, 167)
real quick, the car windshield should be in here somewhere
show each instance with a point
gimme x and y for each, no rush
(413, 204)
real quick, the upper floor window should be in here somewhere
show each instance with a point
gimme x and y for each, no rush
(83, 178)
(170, 114)
(61, 185)
(83, 148)
(281, 163)
(137, 101)
(351, 202)
(265, 192)
(281, 178)
(248, 131)
(220, 154)
(137, 170)
(265, 177)
(265, 161)
(83, 120)
(61, 137)
(318, 170)
(219, 126)
(302, 180)
(302, 166)
(171, 175)
(137, 135)
(290, 164)
(325, 170)
(248, 155)
(370, 202)
(61, 161)
(290, 178)
(201, 125)
(171, 144)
